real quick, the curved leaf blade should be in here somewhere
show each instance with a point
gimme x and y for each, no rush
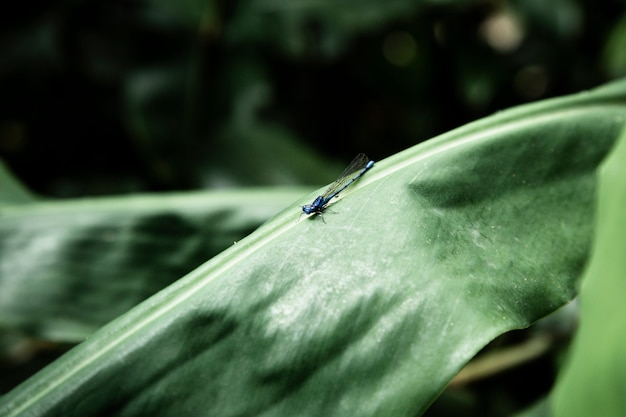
(433, 253)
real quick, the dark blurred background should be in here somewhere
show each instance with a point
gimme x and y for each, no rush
(107, 97)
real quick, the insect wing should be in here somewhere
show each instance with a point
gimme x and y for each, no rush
(358, 163)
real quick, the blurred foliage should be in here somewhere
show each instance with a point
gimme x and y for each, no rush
(101, 97)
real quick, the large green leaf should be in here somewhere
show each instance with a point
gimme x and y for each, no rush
(433, 253)
(593, 382)
(69, 267)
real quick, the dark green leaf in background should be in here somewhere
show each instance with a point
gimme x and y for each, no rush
(11, 190)
(593, 381)
(432, 254)
(69, 267)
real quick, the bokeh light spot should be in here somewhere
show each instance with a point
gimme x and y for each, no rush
(399, 48)
(502, 31)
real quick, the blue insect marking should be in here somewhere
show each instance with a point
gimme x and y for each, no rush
(359, 165)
